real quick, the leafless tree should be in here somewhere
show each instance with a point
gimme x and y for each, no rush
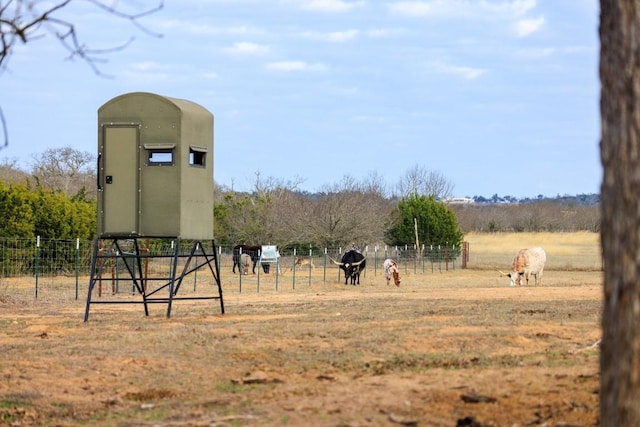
(23, 21)
(270, 184)
(419, 180)
(620, 232)
(65, 169)
(349, 212)
(11, 173)
(270, 214)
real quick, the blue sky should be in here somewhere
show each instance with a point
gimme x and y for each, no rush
(497, 96)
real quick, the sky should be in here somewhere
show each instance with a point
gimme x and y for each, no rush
(496, 96)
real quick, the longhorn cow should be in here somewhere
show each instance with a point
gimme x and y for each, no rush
(353, 262)
(391, 271)
(527, 262)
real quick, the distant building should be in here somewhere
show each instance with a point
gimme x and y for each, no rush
(458, 200)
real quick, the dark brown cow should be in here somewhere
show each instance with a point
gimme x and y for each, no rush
(353, 262)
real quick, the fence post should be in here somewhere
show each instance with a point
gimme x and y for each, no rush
(375, 258)
(77, 263)
(310, 260)
(240, 270)
(259, 264)
(465, 254)
(453, 255)
(37, 263)
(431, 257)
(293, 280)
(406, 265)
(195, 273)
(324, 268)
(446, 256)
(366, 254)
(340, 257)
(277, 268)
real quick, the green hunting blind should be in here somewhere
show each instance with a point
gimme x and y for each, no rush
(155, 168)
(155, 181)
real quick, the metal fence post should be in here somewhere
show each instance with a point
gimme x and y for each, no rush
(375, 260)
(195, 273)
(293, 280)
(37, 263)
(240, 270)
(310, 260)
(366, 254)
(77, 264)
(324, 268)
(259, 268)
(277, 269)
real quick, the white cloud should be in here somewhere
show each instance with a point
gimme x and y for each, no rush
(467, 73)
(200, 29)
(468, 9)
(247, 48)
(536, 53)
(342, 36)
(379, 33)
(289, 66)
(411, 8)
(526, 27)
(364, 118)
(331, 5)
(509, 8)
(148, 66)
(336, 36)
(146, 72)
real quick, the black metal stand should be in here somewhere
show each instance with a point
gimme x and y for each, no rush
(136, 256)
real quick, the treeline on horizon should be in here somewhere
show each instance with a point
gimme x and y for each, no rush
(58, 202)
(286, 217)
(578, 199)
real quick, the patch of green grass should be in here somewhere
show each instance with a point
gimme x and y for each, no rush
(6, 404)
(12, 410)
(11, 401)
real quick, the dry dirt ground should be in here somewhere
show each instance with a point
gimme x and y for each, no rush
(448, 349)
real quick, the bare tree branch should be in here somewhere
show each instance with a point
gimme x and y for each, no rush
(23, 21)
(134, 17)
(5, 132)
(418, 180)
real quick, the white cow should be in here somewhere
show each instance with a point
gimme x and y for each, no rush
(391, 270)
(245, 263)
(527, 262)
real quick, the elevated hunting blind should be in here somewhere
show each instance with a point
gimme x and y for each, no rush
(155, 167)
(155, 181)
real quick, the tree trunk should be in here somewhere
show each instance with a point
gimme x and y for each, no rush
(620, 204)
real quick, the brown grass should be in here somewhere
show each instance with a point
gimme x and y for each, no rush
(565, 251)
(442, 347)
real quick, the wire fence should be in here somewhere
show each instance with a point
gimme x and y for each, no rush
(63, 267)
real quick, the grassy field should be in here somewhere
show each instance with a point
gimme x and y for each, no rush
(565, 251)
(444, 347)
